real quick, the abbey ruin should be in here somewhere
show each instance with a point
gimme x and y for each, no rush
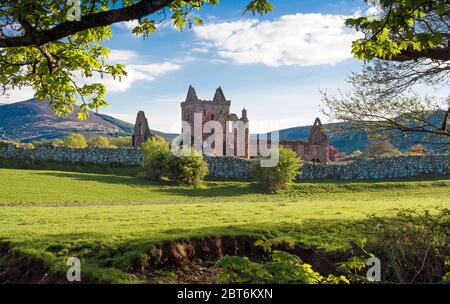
(236, 140)
(214, 116)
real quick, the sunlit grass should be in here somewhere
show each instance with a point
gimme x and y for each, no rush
(107, 220)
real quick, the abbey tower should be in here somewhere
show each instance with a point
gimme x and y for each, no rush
(218, 110)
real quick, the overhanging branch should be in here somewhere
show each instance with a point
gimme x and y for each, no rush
(440, 54)
(37, 38)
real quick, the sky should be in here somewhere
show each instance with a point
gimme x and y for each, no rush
(273, 65)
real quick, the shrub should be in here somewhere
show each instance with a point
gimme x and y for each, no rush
(282, 268)
(57, 143)
(74, 140)
(100, 142)
(414, 245)
(356, 153)
(188, 169)
(121, 142)
(27, 146)
(381, 148)
(273, 179)
(157, 157)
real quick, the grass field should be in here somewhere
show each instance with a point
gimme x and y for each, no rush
(109, 219)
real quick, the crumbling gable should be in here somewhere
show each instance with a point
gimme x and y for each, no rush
(141, 130)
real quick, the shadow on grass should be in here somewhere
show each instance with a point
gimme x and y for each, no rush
(30, 164)
(211, 189)
(219, 189)
(101, 178)
(214, 190)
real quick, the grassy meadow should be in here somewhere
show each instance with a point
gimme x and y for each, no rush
(110, 219)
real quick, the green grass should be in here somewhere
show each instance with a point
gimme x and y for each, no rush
(108, 220)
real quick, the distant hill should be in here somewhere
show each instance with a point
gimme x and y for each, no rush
(349, 140)
(346, 141)
(31, 120)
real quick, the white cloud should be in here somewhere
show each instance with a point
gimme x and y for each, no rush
(299, 39)
(200, 50)
(135, 72)
(128, 25)
(121, 56)
(373, 11)
(16, 95)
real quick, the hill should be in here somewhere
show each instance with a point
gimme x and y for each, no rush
(31, 120)
(349, 140)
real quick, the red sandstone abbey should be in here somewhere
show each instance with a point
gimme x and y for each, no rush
(315, 149)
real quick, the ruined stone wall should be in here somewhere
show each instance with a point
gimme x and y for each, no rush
(379, 168)
(237, 168)
(229, 167)
(125, 156)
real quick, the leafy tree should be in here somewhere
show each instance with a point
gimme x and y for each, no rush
(100, 142)
(357, 153)
(188, 169)
(381, 147)
(405, 30)
(77, 141)
(405, 45)
(41, 47)
(273, 179)
(368, 106)
(157, 158)
(121, 142)
(413, 244)
(27, 146)
(57, 143)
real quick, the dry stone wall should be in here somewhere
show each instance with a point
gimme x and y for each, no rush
(237, 168)
(125, 156)
(380, 168)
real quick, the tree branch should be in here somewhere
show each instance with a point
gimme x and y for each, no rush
(441, 54)
(38, 38)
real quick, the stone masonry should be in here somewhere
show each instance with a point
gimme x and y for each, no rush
(238, 168)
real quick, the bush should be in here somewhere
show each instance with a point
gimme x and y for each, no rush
(57, 143)
(27, 146)
(121, 142)
(381, 148)
(357, 153)
(414, 244)
(188, 169)
(281, 268)
(74, 140)
(273, 179)
(157, 157)
(100, 142)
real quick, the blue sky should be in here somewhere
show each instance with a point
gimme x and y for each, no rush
(274, 65)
